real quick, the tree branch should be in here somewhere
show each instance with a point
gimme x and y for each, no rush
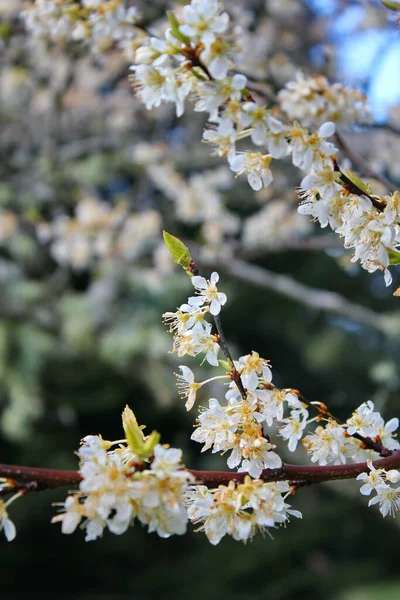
(51, 479)
(321, 300)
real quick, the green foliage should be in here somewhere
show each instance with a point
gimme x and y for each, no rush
(394, 257)
(180, 253)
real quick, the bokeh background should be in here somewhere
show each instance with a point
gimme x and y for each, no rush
(89, 179)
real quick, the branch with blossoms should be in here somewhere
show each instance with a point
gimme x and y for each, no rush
(195, 60)
(137, 478)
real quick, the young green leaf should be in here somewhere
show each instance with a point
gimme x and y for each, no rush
(173, 21)
(394, 257)
(180, 253)
(365, 187)
(391, 4)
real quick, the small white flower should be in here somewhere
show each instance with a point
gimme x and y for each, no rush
(71, 517)
(324, 181)
(276, 135)
(294, 428)
(328, 444)
(202, 20)
(375, 478)
(224, 137)
(209, 345)
(372, 479)
(209, 292)
(216, 57)
(188, 386)
(388, 499)
(256, 167)
(364, 420)
(216, 428)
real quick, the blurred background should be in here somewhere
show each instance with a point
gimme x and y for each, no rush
(89, 179)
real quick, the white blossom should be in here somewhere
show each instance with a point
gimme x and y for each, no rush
(209, 292)
(223, 136)
(239, 511)
(188, 386)
(216, 428)
(388, 499)
(202, 20)
(256, 167)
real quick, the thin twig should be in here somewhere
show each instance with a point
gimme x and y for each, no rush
(320, 300)
(384, 127)
(224, 347)
(235, 375)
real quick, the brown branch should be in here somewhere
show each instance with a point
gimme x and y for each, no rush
(45, 478)
(382, 127)
(51, 479)
(320, 300)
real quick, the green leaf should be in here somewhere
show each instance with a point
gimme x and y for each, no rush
(141, 445)
(391, 4)
(394, 257)
(180, 253)
(173, 21)
(365, 187)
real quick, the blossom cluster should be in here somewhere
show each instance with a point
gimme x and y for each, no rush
(239, 510)
(196, 59)
(238, 426)
(197, 199)
(335, 444)
(253, 407)
(313, 100)
(137, 478)
(277, 225)
(378, 481)
(192, 333)
(98, 231)
(371, 229)
(99, 25)
(118, 487)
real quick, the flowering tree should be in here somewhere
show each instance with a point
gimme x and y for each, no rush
(202, 53)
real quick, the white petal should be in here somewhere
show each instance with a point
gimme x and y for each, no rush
(187, 373)
(212, 358)
(215, 308)
(327, 129)
(222, 298)
(199, 282)
(239, 81)
(9, 529)
(236, 163)
(388, 277)
(70, 522)
(254, 181)
(214, 278)
(392, 425)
